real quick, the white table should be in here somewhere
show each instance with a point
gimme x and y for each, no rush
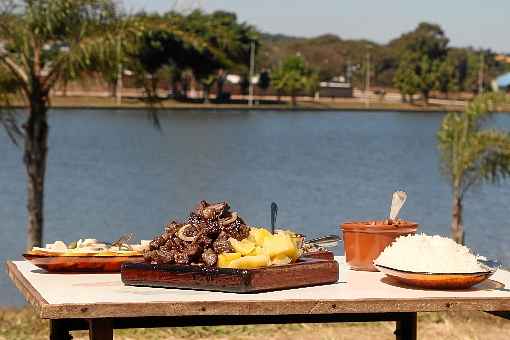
(101, 302)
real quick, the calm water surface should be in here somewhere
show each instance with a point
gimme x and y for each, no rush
(111, 172)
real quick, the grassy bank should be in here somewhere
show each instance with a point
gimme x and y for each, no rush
(24, 324)
(343, 104)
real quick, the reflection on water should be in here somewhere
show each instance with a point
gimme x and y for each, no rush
(111, 172)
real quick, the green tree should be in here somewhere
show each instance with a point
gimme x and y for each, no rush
(447, 78)
(472, 153)
(44, 42)
(244, 83)
(155, 49)
(294, 76)
(167, 48)
(205, 65)
(405, 79)
(9, 89)
(228, 46)
(427, 72)
(458, 58)
(112, 69)
(426, 49)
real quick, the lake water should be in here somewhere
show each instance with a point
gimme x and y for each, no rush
(110, 172)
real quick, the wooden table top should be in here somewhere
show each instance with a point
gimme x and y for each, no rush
(56, 296)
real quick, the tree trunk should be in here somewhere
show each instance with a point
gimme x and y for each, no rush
(425, 95)
(176, 92)
(206, 94)
(457, 226)
(64, 90)
(293, 100)
(185, 85)
(118, 85)
(36, 149)
(220, 84)
(113, 86)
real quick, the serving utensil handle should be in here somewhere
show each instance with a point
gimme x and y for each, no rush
(327, 241)
(397, 202)
(274, 213)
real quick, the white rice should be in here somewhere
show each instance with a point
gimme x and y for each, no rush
(431, 254)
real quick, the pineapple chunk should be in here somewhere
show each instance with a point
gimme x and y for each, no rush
(250, 262)
(224, 259)
(258, 235)
(280, 245)
(281, 260)
(257, 251)
(244, 247)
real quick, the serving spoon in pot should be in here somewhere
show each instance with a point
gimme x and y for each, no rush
(397, 202)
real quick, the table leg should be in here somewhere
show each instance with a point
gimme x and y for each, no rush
(59, 330)
(100, 329)
(406, 327)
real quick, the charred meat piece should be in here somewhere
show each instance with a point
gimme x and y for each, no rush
(237, 230)
(148, 255)
(222, 245)
(171, 228)
(158, 241)
(182, 258)
(209, 257)
(204, 241)
(211, 227)
(165, 256)
(210, 211)
(193, 251)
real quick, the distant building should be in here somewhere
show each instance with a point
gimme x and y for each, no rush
(502, 58)
(502, 83)
(336, 88)
(233, 78)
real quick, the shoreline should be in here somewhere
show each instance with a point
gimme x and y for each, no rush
(107, 103)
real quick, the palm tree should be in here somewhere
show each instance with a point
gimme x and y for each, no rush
(43, 43)
(472, 153)
(294, 76)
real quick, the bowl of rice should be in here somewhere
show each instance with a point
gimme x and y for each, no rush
(432, 262)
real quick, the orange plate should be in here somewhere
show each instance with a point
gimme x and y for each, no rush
(437, 281)
(80, 264)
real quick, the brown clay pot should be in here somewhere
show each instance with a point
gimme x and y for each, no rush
(365, 240)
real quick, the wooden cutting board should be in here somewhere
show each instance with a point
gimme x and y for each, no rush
(305, 272)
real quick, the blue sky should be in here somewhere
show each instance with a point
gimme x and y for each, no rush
(467, 23)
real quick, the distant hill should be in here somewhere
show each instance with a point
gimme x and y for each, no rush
(332, 56)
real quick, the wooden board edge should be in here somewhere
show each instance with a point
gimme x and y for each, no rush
(286, 307)
(26, 288)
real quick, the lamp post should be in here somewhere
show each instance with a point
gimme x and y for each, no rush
(480, 72)
(118, 85)
(367, 81)
(252, 71)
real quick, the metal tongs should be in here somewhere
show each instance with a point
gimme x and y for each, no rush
(328, 241)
